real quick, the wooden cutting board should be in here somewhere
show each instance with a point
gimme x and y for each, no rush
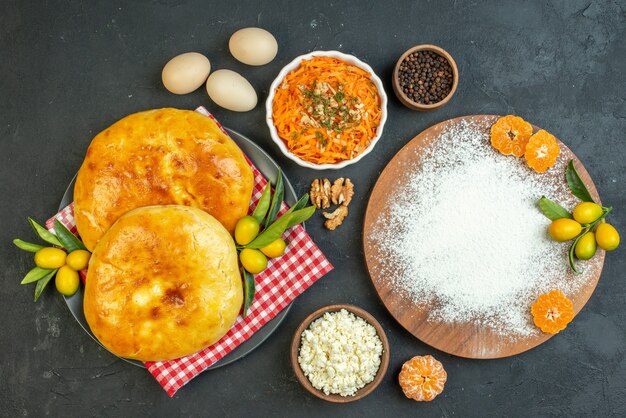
(461, 339)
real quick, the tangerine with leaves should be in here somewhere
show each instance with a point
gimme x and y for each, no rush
(542, 151)
(552, 312)
(422, 378)
(510, 134)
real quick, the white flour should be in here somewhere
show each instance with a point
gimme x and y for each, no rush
(465, 237)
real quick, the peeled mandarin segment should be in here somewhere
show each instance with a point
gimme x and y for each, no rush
(422, 378)
(542, 151)
(552, 312)
(510, 134)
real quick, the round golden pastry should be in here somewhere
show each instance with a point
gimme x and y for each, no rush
(163, 283)
(160, 157)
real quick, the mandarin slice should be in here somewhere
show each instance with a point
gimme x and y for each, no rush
(510, 134)
(422, 378)
(542, 151)
(552, 312)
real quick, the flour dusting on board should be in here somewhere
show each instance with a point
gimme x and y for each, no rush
(465, 236)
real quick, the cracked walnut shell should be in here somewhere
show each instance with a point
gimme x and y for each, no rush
(342, 191)
(320, 193)
(335, 218)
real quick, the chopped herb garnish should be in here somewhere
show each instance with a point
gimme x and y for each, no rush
(330, 108)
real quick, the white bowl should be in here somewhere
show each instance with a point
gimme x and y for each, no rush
(295, 64)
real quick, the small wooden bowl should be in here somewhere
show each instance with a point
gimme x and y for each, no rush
(419, 106)
(365, 390)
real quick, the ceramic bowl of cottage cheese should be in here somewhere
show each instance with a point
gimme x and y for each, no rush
(340, 353)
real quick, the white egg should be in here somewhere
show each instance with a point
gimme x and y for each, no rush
(253, 46)
(185, 72)
(231, 91)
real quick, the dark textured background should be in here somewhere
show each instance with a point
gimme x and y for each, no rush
(70, 69)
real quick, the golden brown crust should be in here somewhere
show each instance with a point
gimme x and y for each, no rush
(160, 157)
(163, 283)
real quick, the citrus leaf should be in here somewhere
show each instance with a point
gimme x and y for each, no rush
(44, 234)
(248, 290)
(576, 184)
(277, 199)
(68, 240)
(552, 210)
(35, 274)
(27, 246)
(572, 264)
(278, 228)
(272, 232)
(43, 282)
(263, 204)
(301, 203)
(300, 216)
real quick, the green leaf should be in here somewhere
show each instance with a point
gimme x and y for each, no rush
(278, 228)
(277, 199)
(300, 216)
(272, 232)
(35, 274)
(248, 290)
(301, 203)
(572, 264)
(44, 234)
(68, 240)
(43, 282)
(552, 210)
(263, 204)
(27, 246)
(576, 184)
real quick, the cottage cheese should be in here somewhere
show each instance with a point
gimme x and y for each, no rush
(340, 353)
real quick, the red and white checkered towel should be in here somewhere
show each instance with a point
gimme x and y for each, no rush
(276, 287)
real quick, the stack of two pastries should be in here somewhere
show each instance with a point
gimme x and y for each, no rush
(156, 200)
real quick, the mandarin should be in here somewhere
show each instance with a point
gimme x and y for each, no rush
(542, 151)
(552, 312)
(422, 378)
(510, 134)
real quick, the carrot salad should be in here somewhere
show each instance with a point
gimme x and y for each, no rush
(326, 110)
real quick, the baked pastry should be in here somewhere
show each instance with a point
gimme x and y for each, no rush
(163, 283)
(160, 157)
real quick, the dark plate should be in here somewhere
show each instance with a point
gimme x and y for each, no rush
(269, 169)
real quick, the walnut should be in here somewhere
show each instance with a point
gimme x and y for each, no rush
(342, 192)
(335, 190)
(320, 193)
(335, 218)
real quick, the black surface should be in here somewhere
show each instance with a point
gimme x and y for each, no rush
(68, 70)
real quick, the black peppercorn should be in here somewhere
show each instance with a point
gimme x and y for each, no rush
(425, 77)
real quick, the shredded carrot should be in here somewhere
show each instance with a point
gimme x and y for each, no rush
(326, 110)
